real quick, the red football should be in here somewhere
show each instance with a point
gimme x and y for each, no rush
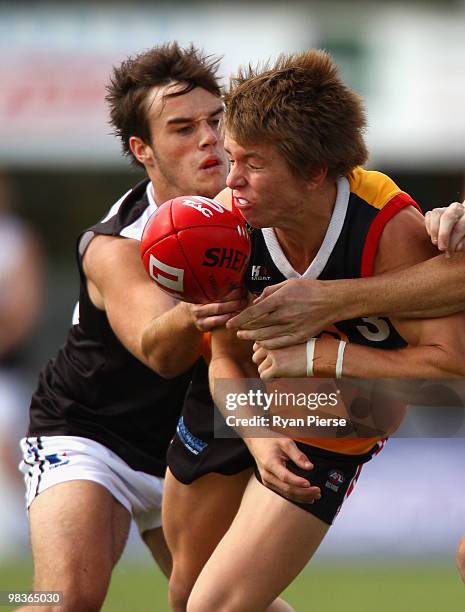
(195, 250)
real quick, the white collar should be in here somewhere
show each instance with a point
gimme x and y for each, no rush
(151, 198)
(332, 234)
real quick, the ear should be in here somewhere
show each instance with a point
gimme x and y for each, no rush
(141, 151)
(316, 177)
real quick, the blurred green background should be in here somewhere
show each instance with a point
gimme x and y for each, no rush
(323, 588)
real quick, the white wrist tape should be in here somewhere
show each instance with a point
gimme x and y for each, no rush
(310, 353)
(340, 358)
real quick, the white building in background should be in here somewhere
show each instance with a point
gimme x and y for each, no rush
(408, 61)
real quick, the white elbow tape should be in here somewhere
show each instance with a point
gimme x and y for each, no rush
(310, 353)
(340, 358)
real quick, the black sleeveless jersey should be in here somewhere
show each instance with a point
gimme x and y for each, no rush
(97, 389)
(366, 201)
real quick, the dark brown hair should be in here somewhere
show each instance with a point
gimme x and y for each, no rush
(131, 82)
(302, 105)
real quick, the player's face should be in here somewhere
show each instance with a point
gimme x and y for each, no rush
(266, 191)
(188, 154)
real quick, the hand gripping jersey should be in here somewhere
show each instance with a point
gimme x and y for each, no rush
(97, 389)
(365, 203)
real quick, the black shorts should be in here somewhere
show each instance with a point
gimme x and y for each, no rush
(190, 457)
(194, 450)
(336, 475)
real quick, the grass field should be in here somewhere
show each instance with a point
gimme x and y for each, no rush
(325, 587)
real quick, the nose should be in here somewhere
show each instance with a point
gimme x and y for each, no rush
(235, 179)
(208, 135)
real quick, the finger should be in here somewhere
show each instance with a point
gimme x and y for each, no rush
(432, 223)
(217, 308)
(264, 366)
(297, 456)
(461, 245)
(304, 494)
(458, 234)
(301, 496)
(259, 356)
(284, 341)
(283, 476)
(267, 374)
(278, 317)
(251, 313)
(268, 291)
(428, 219)
(264, 333)
(447, 223)
(210, 323)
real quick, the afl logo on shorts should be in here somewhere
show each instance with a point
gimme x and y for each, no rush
(335, 480)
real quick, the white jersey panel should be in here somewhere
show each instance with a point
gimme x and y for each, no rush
(135, 230)
(332, 234)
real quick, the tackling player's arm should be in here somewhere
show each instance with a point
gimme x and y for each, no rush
(435, 346)
(297, 309)
(231, 359)
(150, 324)
(293, 311)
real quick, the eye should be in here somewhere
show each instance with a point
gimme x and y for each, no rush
(252, 167)
(215, 123)
(187, 129)
(231, 162)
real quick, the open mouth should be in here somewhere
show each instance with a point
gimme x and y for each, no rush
(241, 203)
(211, 162)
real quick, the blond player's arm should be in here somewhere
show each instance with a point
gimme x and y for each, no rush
(435, 345)
(231, 359)
(295, 310)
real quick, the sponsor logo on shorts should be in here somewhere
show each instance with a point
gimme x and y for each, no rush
(57, 459)
(192, 443)
(335, 480)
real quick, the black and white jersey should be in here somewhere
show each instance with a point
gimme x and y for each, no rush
(97, 389)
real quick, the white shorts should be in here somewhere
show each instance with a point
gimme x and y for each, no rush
(50, 460)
